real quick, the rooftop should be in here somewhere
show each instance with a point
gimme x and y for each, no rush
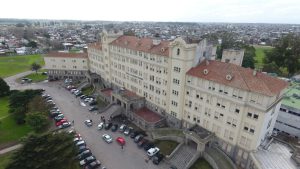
(238, 77)
(147, 45)
(107, 92)
(96, 45)
(148, 115)
(277, 156)
(292, 98)
(200, 131)
(66, 55)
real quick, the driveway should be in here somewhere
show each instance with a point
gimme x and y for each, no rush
(110, 155)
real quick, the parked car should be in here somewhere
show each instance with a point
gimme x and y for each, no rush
(26, 80)
(93, 108)
(114, 128)
(138, 138)
(134, 134)
(82, 149)
(107, 126)
(64, 125)
(54, 114)
(152, 151)
(93, 103)
(122, 128)
(60, 122)
(59, 118)
(80, 143)
(142, 142)
(93, 165)
(107, 138)
(88, 122)
(77, 139)
(157, 158)
(100, 126)
(128, 131)
(121, 141)
(87, 160)
(148, 145)
(83, 96)
(84, 154)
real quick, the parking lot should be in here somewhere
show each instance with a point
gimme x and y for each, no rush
(111, 155)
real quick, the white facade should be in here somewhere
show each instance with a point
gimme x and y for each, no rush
(233, 56)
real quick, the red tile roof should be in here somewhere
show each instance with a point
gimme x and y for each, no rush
(107, 91)
(96, 45)
(242, 78)
(148, 115)
(142, 44)
(65, 54)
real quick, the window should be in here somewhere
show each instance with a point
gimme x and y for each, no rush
(176, 81)
(237, 110)
(249, 114)
(176, 69)
(255, 116)
(178, 51)
(175, 92)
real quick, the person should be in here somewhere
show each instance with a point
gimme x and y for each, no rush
(73, 122)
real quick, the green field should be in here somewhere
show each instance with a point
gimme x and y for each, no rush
(9, 130)
(260, 52)
(166, 146)
(37, 77)
(11, 65)
(4, 159)
(201, 164)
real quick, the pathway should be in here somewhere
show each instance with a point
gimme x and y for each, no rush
(12, 148)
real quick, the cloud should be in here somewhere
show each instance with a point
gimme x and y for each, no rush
(267, 11)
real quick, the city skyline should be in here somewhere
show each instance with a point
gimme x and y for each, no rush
(233, 11)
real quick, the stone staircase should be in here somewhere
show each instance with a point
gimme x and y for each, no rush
(182, 156)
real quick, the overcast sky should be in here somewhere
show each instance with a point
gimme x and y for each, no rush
(250, 11)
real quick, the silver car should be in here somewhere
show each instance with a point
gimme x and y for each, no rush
(107, 138)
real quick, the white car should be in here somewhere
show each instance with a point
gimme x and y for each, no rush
(80, 143)
(100, 126)
(152, 151)
(107, 138)
(77, 139)
(88, 123)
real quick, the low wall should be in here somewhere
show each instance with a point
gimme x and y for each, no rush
(193, 160)
(210, 160)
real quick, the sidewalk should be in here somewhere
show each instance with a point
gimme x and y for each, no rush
(6, 150)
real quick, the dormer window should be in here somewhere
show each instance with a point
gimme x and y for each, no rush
(178, 51)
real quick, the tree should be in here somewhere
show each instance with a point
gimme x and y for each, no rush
(286, 54)
(35, 67)
(4, 88)
(47, 151)
(38, 121)
(18, 103)
(37, 104)
(248, 61)
(32, 44)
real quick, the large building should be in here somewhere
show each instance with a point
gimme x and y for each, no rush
(288, 120)
(183, 83)
(62, 65)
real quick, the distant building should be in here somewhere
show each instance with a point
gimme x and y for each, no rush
(62, 65)
(288, 120)
(233, 56)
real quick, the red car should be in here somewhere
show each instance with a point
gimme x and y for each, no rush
(61, 122)
(121, 141)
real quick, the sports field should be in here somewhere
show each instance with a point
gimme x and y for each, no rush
(260, 54)
(11, 65)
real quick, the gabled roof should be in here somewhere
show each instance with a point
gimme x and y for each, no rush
(242, 78)
(66, 55)
(142, 44)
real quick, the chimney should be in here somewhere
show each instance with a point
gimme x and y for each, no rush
(206, 62)
(254, 72)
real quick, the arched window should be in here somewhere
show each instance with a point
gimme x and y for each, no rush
(178, 51)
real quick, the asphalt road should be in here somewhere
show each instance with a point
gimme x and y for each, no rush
(111, 155)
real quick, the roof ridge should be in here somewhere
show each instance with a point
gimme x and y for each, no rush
(239, 72)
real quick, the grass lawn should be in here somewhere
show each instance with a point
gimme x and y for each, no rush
(9, 130)
(260, 55)
(37, 77)
(201, 163)
(4, 159)
(166, 146)
(87, 90)
(11, 65)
